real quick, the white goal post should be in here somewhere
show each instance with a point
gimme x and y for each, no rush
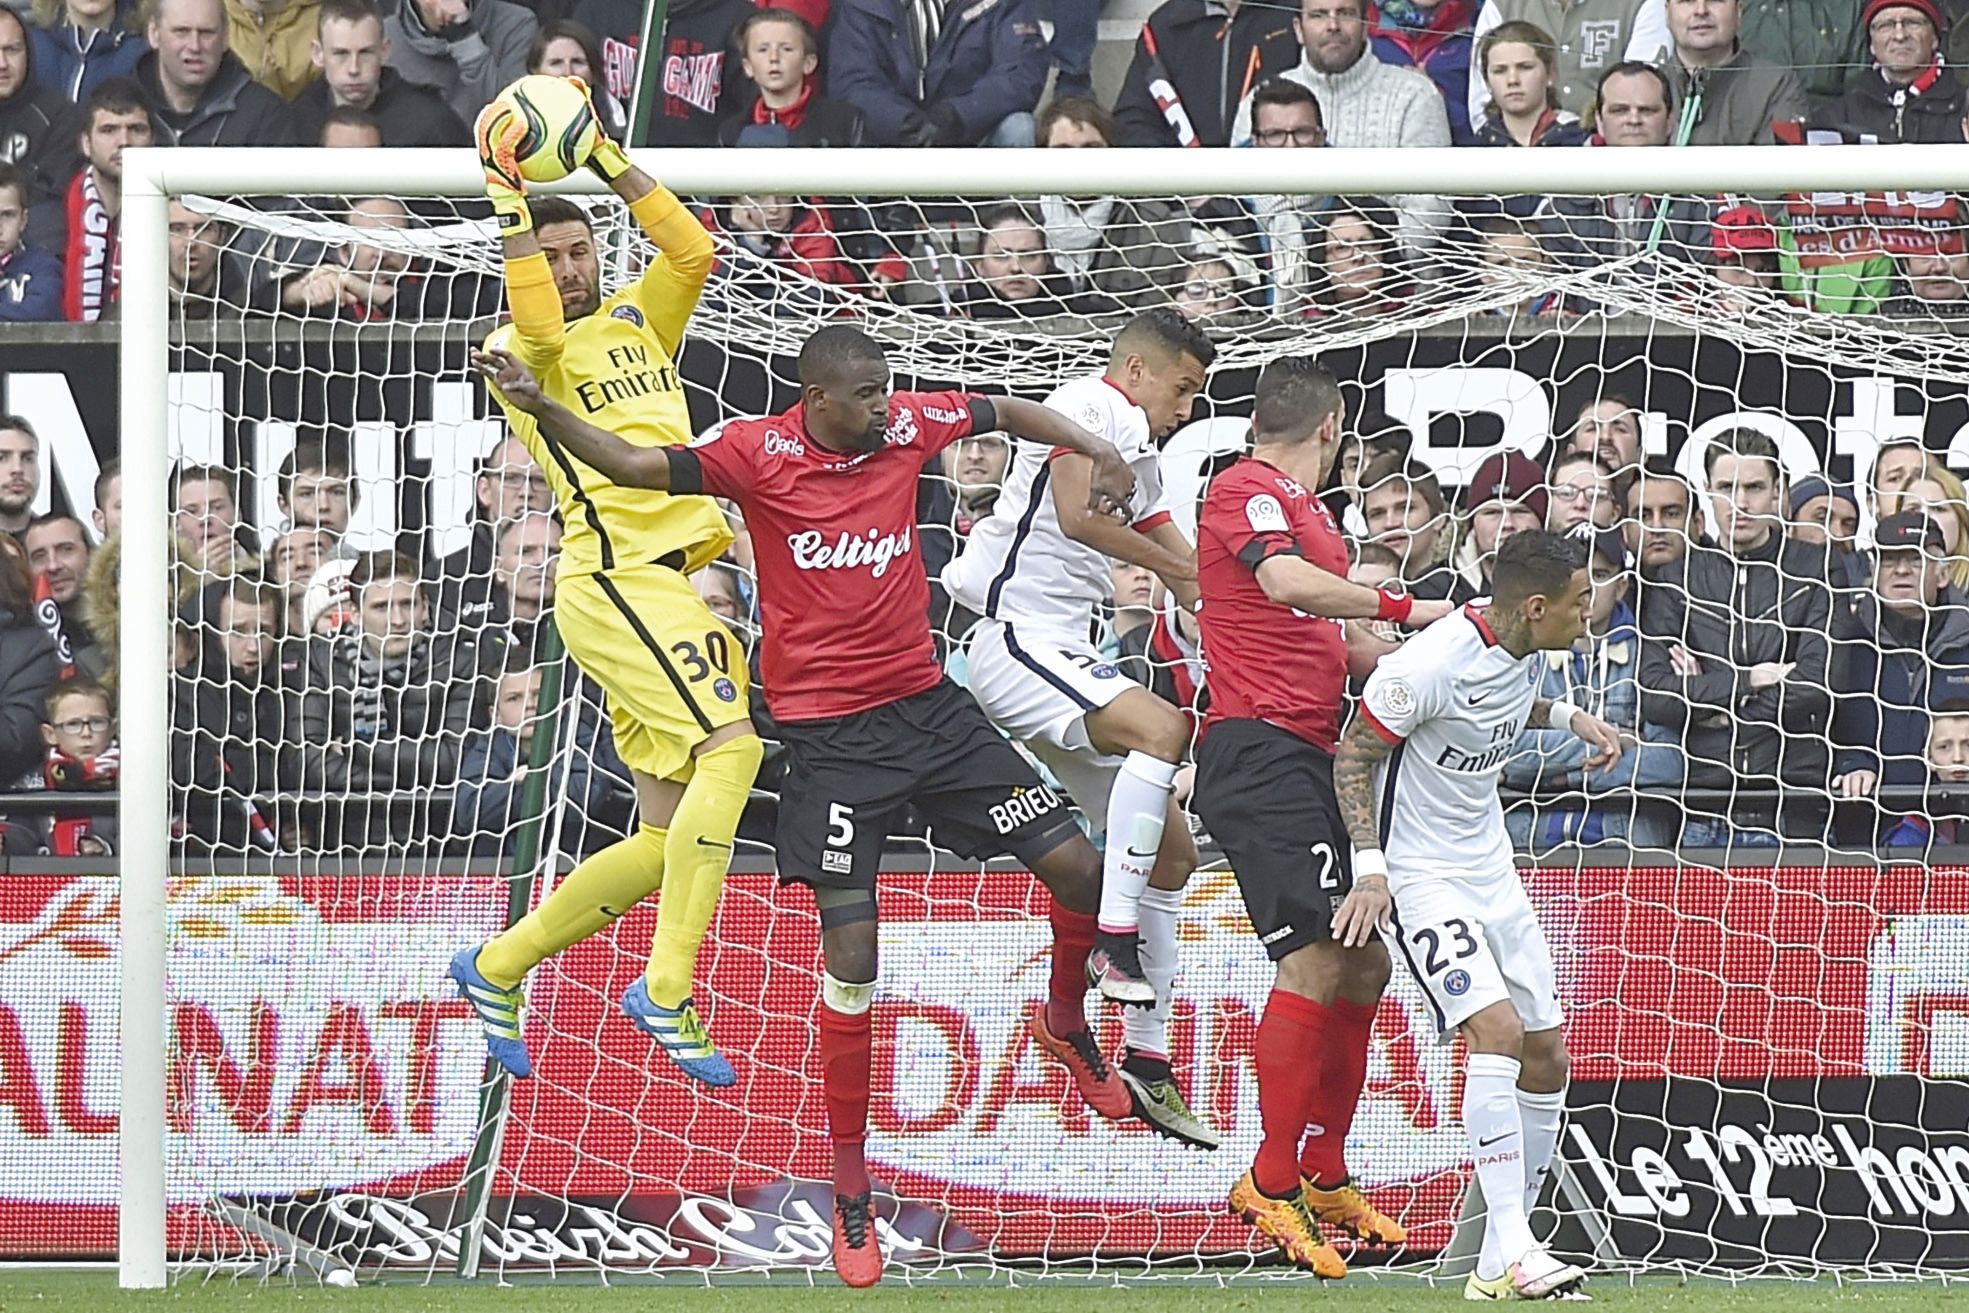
(152, 177)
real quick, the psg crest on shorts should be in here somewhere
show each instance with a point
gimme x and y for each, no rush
(726, 690)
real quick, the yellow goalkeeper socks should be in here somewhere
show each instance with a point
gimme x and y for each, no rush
(699, 850)
(596, 892)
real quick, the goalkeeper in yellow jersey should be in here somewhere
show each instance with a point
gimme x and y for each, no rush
(675, 679)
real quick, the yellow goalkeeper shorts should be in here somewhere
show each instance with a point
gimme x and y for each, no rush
(672, 670)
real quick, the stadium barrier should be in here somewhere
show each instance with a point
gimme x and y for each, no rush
(1768, 1070)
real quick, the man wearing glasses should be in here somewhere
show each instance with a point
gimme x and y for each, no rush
(1909, 94)
(1363, 102)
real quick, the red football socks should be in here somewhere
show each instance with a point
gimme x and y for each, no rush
(1073, 940)
(1343, 1070)
(1289, 1066)
(846, 1046)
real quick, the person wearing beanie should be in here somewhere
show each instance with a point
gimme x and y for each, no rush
(1827, 515)
(1506, 495)
(1909, 93)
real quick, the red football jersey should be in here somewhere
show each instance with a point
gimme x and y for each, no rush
(1265, 661)
(844, 598)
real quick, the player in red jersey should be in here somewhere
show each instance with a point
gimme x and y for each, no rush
(1272, 568)
(869, 722)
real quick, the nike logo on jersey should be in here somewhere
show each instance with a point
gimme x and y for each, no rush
(1476, 698)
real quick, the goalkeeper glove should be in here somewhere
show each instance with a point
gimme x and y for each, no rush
(599, 151)
(499, 131)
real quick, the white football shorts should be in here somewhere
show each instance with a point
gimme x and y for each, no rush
(1471, 942)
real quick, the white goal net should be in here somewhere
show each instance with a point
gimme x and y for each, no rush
(1766, 971)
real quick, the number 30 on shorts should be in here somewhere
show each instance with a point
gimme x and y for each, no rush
(1444, 945)
(697, 664)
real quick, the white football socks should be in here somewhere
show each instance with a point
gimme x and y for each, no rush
(1146, 1030)
(1541, 1115)
(1497, 1146)
(1137, 806)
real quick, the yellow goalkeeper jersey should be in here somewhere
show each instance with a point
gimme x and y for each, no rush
(616, 369)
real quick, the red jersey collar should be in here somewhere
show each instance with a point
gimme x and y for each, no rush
(1122, 390)
(1483, 625)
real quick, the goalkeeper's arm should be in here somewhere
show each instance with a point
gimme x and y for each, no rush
(668, 290)
(625, 464)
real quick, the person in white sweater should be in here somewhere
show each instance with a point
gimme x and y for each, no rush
(1365, 103)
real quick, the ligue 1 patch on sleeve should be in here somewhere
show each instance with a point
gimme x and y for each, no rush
(628, 314)
(1398, 697)
(1094, 418)
(1266, 515)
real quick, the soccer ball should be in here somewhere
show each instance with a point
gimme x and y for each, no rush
(558, 118)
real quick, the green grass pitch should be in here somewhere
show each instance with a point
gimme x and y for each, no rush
(45, 1291)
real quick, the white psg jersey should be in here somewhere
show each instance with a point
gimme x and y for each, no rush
(1454, 703)
(1019, 566)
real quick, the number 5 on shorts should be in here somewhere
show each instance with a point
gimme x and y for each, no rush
(840, 825)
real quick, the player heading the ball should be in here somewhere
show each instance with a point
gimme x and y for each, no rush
(677, 691)
(1417, 779)
(871, 724)
(1038, 570)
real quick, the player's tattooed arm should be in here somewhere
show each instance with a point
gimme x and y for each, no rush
(1111, 484)
(1588, 728)
(1361, 749)
(1365, 909)
(628, 465)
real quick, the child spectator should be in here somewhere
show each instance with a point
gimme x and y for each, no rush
(1940, 819)
(1218, 289)
(30, 280)
(591, 781)
(80, 733)
(77, 44)
(1600, 673)
(1520, 71)
(779, 54)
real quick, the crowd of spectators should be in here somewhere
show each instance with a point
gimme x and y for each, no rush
(1774, 674)
(81, 79)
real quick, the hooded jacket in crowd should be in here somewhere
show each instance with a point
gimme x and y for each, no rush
(468, 63)
(71, 60)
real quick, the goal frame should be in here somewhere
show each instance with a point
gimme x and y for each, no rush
(152, 176)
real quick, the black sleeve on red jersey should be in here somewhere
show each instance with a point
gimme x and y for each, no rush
(1264, 547)
(686, 472)
(984, 415)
